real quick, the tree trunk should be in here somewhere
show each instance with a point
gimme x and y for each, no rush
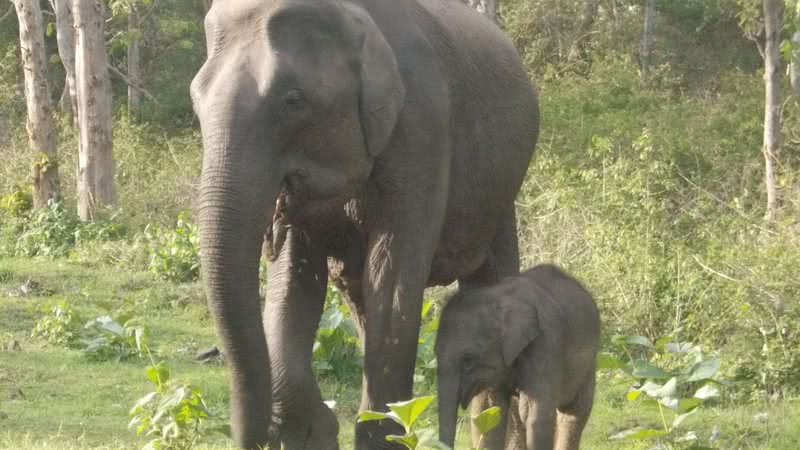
(794, 69)
(65, 34)
(134, 65)
(96, 159)
(772, 106)
(486, 7)
(579, 52)
(648, 43)
(41, 135)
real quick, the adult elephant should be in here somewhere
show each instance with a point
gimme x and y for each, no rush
(384, 142)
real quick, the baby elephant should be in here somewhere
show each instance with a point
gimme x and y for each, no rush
(534, 335)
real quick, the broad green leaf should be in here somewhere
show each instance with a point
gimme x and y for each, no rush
(488, 419)
(642, 369)
(638, 340)
(638, 434)
(681, 417)
(667, 390)
(688, 404)
(670, 402)
(408, 411)
(366, 416)
(706, 392)
(607, 360)
(158, 374)
(704, 370)
(409, 440)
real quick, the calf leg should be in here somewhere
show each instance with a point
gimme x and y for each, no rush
(572, 419)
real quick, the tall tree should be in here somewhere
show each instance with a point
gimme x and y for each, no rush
(134, 60)
(96, 157)
(773, 24)
(579, 52)
(794, 67)
(647, 46)
(486, 7)
(65, 34)
(41, 136)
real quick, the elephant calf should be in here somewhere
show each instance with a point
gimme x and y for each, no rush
(534, 335)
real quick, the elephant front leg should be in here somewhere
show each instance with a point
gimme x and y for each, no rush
(398, 263)
(295, 298)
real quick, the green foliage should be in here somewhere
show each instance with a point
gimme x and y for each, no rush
(673, 377)
(49, 231)
(172, 416)
(406, 414)
(174, 253)
(336, 349)
(105, 338)
(17, 202)
(426, 357)
(60, 327)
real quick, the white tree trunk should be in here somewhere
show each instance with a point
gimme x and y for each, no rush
(134, 62)
(65, 34)
(486, 7)
(41, 135)
(648, 43)
(794, 68)
(579, 52)
(96, 158)
(772, 105)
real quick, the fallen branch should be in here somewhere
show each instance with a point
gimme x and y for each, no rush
(128, 81)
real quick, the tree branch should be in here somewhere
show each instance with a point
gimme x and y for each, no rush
(8, 13)
(127, 80)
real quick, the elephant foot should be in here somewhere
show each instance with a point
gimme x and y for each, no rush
(316, 431)
(372, 435)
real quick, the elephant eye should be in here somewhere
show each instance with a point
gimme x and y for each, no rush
(468, 362)
(293, 98)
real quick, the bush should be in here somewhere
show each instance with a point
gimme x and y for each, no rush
(105, 338)
(336, 349)
(175, 254)
(60, 327)
(49, 231)
(172, 415)
(673, 377)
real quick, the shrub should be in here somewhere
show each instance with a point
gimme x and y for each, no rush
(674, 377)
(172, 415)
(61, 327)
(336, 349)
(17, 202)
(175, 254)
(105, 338)
(49, 231)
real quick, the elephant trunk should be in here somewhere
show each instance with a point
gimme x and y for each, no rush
(448, 408)
(234, 207)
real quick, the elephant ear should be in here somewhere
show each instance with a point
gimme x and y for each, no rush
(382, 90)
(520, 324)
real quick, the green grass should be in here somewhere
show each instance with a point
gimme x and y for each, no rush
(69, 402)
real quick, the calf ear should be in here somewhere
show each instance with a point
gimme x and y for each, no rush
(382, 90)
(520, 322)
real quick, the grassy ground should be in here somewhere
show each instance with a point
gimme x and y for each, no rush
(55, 398)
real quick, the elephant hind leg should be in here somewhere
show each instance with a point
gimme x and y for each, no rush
(572, 418)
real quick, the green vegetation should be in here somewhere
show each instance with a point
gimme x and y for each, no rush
(650, 193)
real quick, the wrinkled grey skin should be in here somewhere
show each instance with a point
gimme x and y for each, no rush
(351, 133)
(534, 335)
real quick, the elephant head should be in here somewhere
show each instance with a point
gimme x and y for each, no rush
(481, 333)
(295, 98)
